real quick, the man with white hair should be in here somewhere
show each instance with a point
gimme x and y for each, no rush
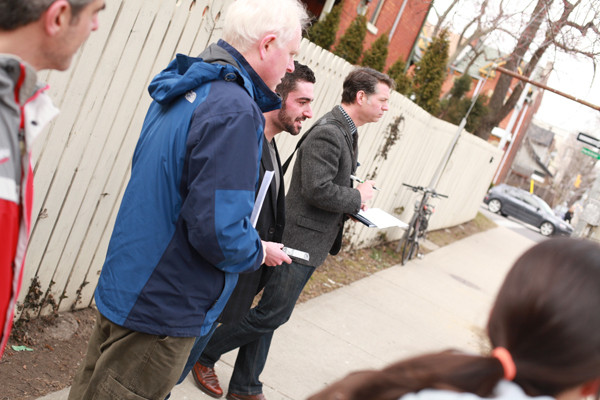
(34, 35)
(183, 230)
(297, 93)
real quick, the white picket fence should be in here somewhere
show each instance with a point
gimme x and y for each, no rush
(83, 162)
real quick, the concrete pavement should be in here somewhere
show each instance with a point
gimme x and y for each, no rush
(434, 303)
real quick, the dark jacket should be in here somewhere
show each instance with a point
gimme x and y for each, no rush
(183, 231)
(269, 225)
(320, 191)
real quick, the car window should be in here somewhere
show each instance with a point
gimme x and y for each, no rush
(531, 201)
(511, 191)
(522, 195)
(525, 196)
(543, 205)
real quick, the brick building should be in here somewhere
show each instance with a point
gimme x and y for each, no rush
(402, 20)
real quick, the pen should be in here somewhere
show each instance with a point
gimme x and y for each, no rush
(357, 179)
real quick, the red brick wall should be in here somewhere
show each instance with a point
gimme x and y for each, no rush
(406, 32)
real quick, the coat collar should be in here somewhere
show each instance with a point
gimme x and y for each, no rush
(266, 99)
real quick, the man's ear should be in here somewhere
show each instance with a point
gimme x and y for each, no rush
(265, 44)
(57, 17)
(591, 388)
(361, 97)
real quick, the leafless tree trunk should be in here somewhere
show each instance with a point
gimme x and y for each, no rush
(559, 33)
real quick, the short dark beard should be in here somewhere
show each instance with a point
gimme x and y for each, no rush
(285, 122)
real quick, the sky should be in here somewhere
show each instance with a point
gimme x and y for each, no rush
(571, 76)
(575, 78)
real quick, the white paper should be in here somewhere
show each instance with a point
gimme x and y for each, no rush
(382, 219)
(260, 198)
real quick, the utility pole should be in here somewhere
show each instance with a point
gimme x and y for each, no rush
(541, 85)
(442, 165)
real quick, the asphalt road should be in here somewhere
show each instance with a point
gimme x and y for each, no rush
(530, 232)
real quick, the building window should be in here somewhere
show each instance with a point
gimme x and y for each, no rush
(376, 12)
(362, 7)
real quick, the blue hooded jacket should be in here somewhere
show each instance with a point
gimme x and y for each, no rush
(183, 230)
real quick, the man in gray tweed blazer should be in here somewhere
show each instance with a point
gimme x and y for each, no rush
(319, 197)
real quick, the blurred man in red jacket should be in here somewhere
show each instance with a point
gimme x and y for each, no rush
(52, 30)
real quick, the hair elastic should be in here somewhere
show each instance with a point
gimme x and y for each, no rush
(510, 370)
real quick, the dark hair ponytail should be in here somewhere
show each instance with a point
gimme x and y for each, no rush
(449, 370)
(546, 315)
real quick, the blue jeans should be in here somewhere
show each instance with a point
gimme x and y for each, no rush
(199, 346)
(254, 332)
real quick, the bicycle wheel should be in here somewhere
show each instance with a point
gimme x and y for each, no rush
(414, 250)
(402, 242)
(410, 240)
(406, 251)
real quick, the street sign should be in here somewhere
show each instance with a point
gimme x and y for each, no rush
(592, 141)
(590, 153)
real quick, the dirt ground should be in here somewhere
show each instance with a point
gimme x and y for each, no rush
(55, 346)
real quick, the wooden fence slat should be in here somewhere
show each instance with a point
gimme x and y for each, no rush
(203, 35)
(59, 83)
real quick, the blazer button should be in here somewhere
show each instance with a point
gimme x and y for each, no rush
(271, 231)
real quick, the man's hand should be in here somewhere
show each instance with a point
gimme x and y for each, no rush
(366, 193)
(274, 255)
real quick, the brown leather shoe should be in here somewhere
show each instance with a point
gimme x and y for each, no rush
(207, 380)
(233, 396)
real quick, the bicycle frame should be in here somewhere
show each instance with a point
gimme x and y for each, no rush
(417, 228)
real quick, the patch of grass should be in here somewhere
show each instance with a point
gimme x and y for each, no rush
(443, 237)
(483, 223)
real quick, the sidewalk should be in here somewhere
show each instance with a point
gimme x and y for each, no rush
(430, 304)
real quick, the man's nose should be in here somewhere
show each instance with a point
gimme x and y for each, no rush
(95, 24)
(308, 113)
(290, 67)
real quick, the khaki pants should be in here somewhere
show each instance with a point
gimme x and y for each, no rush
(125, 364)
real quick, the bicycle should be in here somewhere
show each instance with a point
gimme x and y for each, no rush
(417, 228)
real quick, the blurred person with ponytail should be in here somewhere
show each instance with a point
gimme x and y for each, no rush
(544, 332)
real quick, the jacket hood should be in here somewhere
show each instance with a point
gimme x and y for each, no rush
(218, 62)
(16, 68)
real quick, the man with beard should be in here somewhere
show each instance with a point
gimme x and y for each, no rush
(296, 91)
(319, 197)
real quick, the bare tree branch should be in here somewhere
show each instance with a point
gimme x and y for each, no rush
(442, 18)
(564, 26)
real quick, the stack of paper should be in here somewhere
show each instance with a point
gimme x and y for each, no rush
(377, 218)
